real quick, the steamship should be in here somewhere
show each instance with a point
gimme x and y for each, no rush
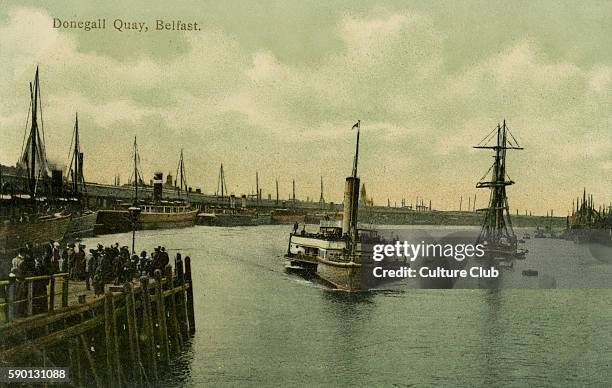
(340, 253)
(151, 214)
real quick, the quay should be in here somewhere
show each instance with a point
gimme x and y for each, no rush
(122, 338)
(108, 197)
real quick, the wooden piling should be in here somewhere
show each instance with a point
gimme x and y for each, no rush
(72, 363)
(148, 327)
(108, 337)
(118, 365)
(189, 280)
(133, 339)
(182, 299)
(125, 336)
(92, 361)
(176, 332)
(77, 362)
(161, 318)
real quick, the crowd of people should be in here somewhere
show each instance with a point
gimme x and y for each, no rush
(99, 266)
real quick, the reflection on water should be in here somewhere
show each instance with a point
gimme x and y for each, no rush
(258, 326)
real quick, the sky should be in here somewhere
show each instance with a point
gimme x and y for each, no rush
(276, 86)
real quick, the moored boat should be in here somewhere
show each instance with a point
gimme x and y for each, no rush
(151, 217)
(36, 232)
(152, 213)
(31, 218)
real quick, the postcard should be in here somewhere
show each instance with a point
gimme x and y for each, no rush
(312, 194)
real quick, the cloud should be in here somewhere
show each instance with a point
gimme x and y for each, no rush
(251, 110)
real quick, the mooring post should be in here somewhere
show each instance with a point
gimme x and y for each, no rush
(92, 361)
(130, 323)
(72, 362)
(108, 336)
(117, 358)
(148, 326)
(161, 317)
(65, 291)
(178, 338)
(11, 296)
(77, 359)
(189, 280)
(51, 305)
(133, 339)
(181, 297)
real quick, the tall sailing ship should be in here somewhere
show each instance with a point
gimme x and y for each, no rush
(27, 214)
(154, 213)
(497, 234)
(339, 253)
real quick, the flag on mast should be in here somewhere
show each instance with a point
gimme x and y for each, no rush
(356, 125)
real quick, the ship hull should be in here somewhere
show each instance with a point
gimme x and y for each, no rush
(327, 258)
(343, 276)
(119, 221)
(82, 225)
(14, 236)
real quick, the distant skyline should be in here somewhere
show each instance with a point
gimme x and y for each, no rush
(275, 87)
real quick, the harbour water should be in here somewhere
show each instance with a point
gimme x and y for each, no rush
(259, 326)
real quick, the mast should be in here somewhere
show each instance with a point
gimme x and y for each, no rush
(221, 186)
(181, 173)
(356, 160)
(135, 173)
(75, 184)
(34, 147)
(257, 186)
(355, 182)
(497, 222)
(277, 191)
(33, 136)
(183, 179)
(75, 169)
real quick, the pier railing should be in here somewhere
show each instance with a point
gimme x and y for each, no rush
(26, 296)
